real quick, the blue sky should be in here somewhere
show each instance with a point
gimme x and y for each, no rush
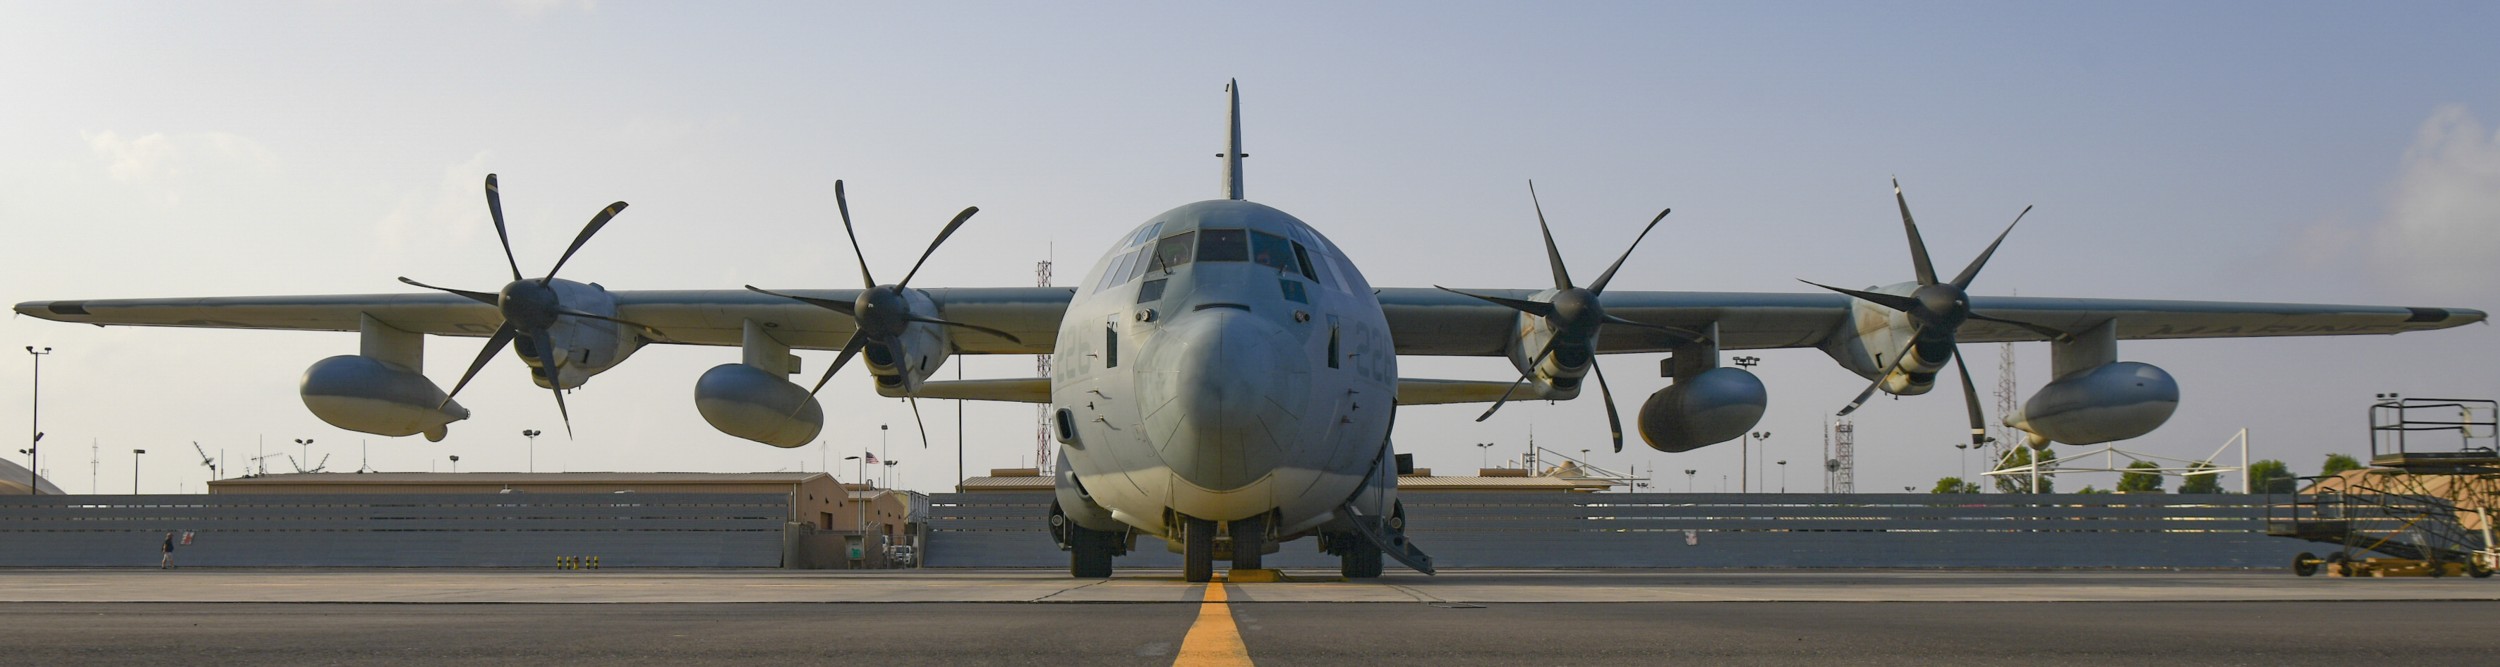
(2307, 152)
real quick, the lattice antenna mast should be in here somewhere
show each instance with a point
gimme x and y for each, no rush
(1845, 454)
(2007, 437)
(1041, 369)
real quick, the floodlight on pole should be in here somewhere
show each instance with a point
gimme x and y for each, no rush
(455, 463)
(134, 470)
(532, 434)
(34, 425)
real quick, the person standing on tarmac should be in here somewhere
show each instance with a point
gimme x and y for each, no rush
(168, 562)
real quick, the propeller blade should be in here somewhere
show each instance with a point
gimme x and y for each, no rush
(1553, 256)
(1523, 378)
(480, 297)
(1971, 272)
(1537, 308)
(494, 205)
(975, 327)
(1599, 287)
(1888, 371)
(849, 349)
(1893, 301)
(844, 202)
(2051, 332)
(915, 420)
(1614, 422)
(1918, 246)
(503, 336)
(654, 331)
(1970, 400)
(843, 307)
(1687, 334)
(951, 226)
(596, 222)
(547, 369)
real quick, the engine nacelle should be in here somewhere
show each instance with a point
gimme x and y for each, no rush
(368, 395)
(1711, 407)
(2113, 401)
(751, 403)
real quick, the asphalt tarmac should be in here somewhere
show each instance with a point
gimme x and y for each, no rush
(1506, 618)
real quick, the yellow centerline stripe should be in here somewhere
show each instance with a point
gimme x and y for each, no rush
(1213, 641)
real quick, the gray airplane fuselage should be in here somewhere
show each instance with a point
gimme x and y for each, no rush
(1224, 362)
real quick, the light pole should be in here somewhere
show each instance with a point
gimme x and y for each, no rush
(885, 452)
(305, 443)
(1688, 479)
(1744, 463)
(532, 434)
(1964, 457)
(859, 527)
(34, 425)
(1783, 475)
(134, 470)
(1482, 462)
(455, 464)
(889, 474)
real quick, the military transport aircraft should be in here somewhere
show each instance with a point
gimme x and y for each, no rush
(1226, 378)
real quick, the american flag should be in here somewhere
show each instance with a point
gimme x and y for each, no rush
(872, 457)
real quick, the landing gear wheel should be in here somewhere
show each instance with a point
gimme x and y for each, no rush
(1249, 539)
(1090, 552)
(2476, 568)
(1360, 560)
(2304, 564)
(1197, 550)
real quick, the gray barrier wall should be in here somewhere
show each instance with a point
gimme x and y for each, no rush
(411, 530)
(1492, 530)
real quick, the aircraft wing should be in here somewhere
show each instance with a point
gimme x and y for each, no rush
(692, 317)
(1426, 321)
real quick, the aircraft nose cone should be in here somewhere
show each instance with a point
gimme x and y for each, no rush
(1223, 390)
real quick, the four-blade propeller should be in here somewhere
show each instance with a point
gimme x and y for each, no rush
(882, 311)
(529, 307)
(1937, 310)
(1576, 315)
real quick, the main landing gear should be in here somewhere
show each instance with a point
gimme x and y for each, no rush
(1245, 544)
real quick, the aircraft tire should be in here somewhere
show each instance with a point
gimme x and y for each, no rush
(1361, 559)
(1089, 553)
(1197, 550)
(1249, 540)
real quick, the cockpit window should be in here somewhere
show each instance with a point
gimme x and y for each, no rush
(1309, 270)
(1171, 253)
(1273, 251)
(1144, 234)
(1224, 245)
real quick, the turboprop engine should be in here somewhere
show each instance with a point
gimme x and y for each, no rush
(1710, 407)
(368, 395)
(2113, 401)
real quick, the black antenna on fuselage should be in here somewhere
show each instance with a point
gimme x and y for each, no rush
(1233, 155)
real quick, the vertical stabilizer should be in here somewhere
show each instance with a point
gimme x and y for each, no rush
(1232, 152)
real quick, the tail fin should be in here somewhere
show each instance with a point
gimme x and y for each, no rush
(1233, 155)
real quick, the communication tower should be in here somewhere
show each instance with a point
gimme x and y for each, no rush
(2007, 437)
(1843, 465)
(1041, 368)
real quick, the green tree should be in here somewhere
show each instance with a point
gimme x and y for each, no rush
(1954, 485)
(2141, 477)
(2088, 490)
(2200, 482)
(2336, 463)
(2020, 457)
(2272, 476)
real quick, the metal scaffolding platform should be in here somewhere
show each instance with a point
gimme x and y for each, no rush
(2427, 506)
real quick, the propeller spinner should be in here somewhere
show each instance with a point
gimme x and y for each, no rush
(1577, 315)
(529, 307)
(1937, 311)
(882, 312)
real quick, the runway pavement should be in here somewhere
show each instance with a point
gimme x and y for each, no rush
(1152, 618)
